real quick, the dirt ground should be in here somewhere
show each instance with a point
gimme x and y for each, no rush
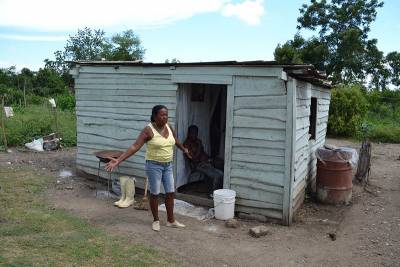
(367, 231)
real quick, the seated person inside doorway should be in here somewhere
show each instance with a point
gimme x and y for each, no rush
(200, 162)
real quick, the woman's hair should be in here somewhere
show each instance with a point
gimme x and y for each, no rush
(155, 111)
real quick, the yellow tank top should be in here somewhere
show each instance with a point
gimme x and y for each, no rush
(159, 148)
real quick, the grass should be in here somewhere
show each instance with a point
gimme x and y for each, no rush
(32, 233)
(382, 128)
(36, 121)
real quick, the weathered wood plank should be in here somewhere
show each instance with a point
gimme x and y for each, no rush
(246, 142)
(121, 110)
(123, 69)
(290, 149)
(259, 151)
(125, 92)
(106, 85)
(116, 75)
(278, 114)
(199, 78)
(259, 134)
(257, 166)
(266, 71)
(149, 99)
(259, 86)
(260, 123)
(269, 213)
(127, 81)
(107, 132)
(251, 184)
(273, 160)
(228, 133)
(257, 195)
(261, 102)
(258, 204)
(136, 125)
(303, 92)
(94, 103)
(115, 116)
(273, 178)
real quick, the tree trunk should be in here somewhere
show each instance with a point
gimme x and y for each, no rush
(364, 162)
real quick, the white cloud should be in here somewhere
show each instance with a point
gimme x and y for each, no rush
(248, 11)
(33, 37)
(57, 15)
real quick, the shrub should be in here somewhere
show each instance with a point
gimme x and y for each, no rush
(66, 101)
(34, 100)
(347, 110)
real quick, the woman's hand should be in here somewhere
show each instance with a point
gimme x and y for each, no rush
(110, 166)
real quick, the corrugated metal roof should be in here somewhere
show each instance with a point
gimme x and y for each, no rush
(305, 72)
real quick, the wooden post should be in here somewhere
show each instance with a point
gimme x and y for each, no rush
(56, 119)
(24, 92)
(3, 125)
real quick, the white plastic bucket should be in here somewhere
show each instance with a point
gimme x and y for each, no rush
(224, 204)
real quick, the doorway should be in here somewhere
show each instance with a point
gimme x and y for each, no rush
(202, 105)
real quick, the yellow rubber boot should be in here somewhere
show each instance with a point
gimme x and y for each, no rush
(122, 182)
(129, 193)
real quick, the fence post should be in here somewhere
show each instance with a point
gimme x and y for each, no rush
(3, 125)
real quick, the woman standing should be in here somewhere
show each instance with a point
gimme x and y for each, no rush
(160, 140)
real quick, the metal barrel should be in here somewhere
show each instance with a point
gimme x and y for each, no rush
(334, 182)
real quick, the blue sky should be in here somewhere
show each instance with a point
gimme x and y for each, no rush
(189, 30)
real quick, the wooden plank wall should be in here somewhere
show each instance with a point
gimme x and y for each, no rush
(305, 161)
(113, 106)
(258, 145)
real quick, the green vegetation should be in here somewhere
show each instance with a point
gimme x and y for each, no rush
(32, 233)
(355, 112)
(39, 120)
(333, 35)
(347, 110)
(339, 43)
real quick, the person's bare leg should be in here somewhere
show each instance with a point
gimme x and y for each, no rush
(169, 205)
(154, 206)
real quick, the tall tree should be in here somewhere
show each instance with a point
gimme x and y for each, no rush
(88, 44)
(341, 47)
(126, 46)
(393, 62)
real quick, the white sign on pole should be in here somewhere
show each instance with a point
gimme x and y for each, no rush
(9, 112)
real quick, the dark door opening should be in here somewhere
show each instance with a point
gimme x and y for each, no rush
(202, 105)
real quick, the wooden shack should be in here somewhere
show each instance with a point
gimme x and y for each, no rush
(262, 119)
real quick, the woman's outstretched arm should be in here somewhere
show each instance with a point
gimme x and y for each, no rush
(143, 137)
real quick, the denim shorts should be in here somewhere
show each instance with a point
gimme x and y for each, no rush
(158, 172)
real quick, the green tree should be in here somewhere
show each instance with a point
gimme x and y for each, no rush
(341, 46)
(48, 82)
(126, 46)
(393, 61)
(92, 44)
